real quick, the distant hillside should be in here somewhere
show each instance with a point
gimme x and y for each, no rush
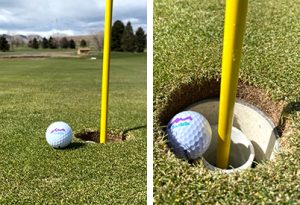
(31, 37)
(21, 39)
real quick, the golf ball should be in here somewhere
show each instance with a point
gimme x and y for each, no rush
(189, 134)
(59, 135)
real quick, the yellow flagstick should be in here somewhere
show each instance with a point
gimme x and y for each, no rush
(105, 70)
(235, 23)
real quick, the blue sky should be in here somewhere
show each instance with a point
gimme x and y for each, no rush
(71, 17)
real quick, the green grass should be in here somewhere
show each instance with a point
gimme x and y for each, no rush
(35, 93)
(187, 48)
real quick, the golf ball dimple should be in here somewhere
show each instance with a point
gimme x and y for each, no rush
(59, 135)
(189, 134)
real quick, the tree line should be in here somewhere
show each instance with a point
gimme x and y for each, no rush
(53, 43)
(124, 39)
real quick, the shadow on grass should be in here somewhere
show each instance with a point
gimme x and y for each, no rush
(125, 132)
(116, 135)
(75, 145)
(290, 108)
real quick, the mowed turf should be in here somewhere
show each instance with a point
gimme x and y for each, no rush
(187, 50)
(35, 93)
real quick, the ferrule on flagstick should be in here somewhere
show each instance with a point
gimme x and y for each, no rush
(234, 29)
(105, 70)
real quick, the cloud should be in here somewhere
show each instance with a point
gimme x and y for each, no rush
(68, 16)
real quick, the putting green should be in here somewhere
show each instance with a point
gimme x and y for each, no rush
(35, 93)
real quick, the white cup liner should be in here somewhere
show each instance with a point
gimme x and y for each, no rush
(241, 152)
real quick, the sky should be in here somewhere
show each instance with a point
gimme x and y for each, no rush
(69, 17)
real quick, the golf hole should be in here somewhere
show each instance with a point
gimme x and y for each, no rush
(94, 136)
(256, 116)
(250, 121)
(241, 154)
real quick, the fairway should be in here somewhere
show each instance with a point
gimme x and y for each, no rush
(188, 42)
(35, 93)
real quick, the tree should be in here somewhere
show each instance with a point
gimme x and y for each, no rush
(16, 41)
(98, 39)
(4, 46)
(116, 35)
(64, 43)
(30, 42)
(35, 44)
(83, 43)
(72, 44)
(52, 43)
(140, 40)
(45, 43)
(127, 42)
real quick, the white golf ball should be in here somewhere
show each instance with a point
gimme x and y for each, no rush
(189, 134)
(59, 135)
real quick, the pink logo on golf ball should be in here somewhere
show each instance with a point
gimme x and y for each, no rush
(182, 122)
(58, 130)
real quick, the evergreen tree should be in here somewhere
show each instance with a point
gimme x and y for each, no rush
(128, 39)
(116, 35)
(35, 44)
(83, 43)
(45, 43)
(52, 43)
(4, 46)
(72, 44)
(140, 40)
(64, 43)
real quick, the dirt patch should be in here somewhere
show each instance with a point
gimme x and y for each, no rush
(30, 57)
(93, 136)
(187, 94)
(261, 100)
